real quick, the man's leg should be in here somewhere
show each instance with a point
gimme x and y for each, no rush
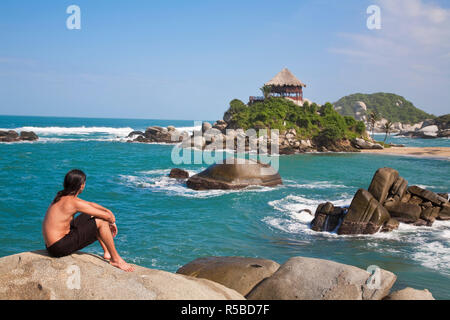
(105, 235)
(106, 254)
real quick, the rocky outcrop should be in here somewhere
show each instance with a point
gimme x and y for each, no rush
(177, 173)
(238, 273)
(13, 136)
(365, 145)
(382, 182)
(387, 202)
(327, 217)
(428, 129)
(365, 215)
(35, 275)
(410, 294)
(316, 279)
(157, 134)
(237, 174)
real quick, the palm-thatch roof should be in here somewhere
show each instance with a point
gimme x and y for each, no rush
(285, 78)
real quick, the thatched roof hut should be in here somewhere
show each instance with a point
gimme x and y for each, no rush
(285, 78)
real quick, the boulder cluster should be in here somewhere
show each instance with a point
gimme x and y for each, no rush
(428, 129)
(13, 136)
(220, 136)
(386, 203)
(82, 276)
(299, 278)
(158, 135)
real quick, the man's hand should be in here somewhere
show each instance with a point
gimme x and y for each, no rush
(113, 228)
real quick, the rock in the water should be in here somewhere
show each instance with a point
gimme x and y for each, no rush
(403, 212)
(316, 279)
(206, 126)
(177, 173)
(238, 273)
(236, 175)
(398, 189)
(162, 135)
(13, 136)
(382, 182)
(444, 213)
(391, 225)
(426, 195)
(82, 276)
(365, 215)
(135, 133)
(327, 217)
(410, 294)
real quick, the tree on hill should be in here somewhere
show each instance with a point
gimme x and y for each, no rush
(387, 129)
(374, 116)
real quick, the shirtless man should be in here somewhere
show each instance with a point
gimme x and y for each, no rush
(64, 235)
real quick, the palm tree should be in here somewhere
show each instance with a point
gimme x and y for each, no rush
(266, 91)
(387, 129)
(374, 116)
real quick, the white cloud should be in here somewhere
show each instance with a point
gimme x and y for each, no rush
(415, 34)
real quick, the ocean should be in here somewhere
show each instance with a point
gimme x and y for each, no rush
(162, 224)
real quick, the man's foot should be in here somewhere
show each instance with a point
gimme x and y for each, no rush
(107, 256)
(121, 264)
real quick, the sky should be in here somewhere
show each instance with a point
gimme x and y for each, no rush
(189, 59)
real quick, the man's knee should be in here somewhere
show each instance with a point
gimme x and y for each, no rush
(100, 223)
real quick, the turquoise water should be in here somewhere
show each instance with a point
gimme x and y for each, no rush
(408, 142)
(164, 225)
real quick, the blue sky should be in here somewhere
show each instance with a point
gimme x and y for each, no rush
(188, 59)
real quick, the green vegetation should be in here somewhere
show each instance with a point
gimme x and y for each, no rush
(310, 121)
(388, 105)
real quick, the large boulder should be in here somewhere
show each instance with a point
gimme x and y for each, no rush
(403, 212)
(162, 135)
(28, 136)
(410, 294)
(363, 144)
(238, 174)
(382, 182)
(316, 279)
(365, 215)
(177, 173)
(444, 213)
(82, 276)
(238, 273)
(327, 217)
(398, 189)
(427, 195)
(9, 136)
(13, 136)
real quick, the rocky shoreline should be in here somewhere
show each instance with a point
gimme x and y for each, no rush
(13, 136)
(83, 276)
(220, 137)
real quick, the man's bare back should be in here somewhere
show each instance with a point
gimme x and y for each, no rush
(57, 220)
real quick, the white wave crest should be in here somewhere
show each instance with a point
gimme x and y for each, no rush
(122, 132)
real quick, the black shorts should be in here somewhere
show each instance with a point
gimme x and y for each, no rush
(83, 232)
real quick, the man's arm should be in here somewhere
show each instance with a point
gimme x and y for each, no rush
(96, 205)
(87, 208)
